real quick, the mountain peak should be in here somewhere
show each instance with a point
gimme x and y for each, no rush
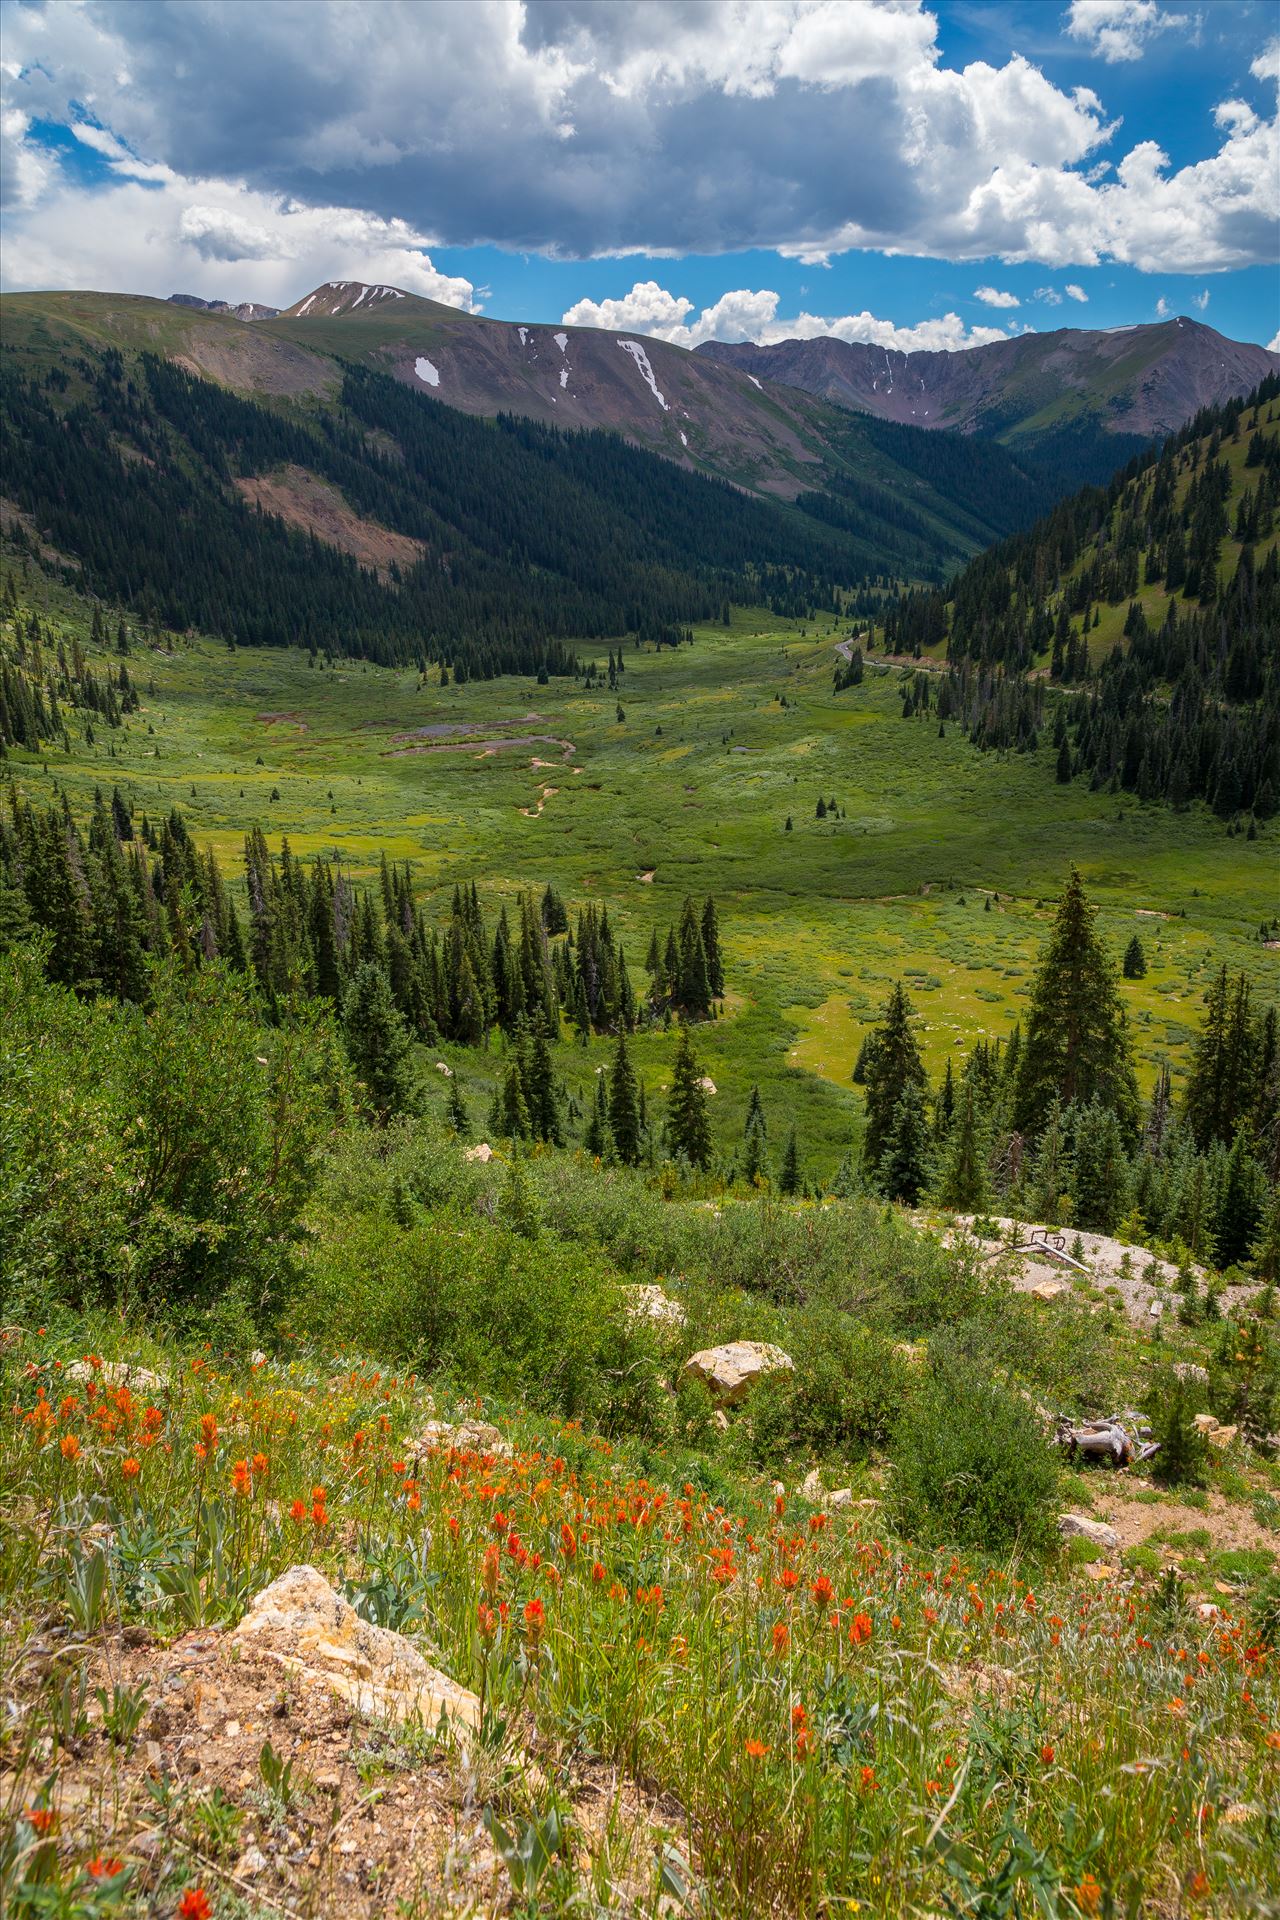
(342, 296)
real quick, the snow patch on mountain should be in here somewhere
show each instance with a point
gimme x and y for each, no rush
(641, 359)
(428, 374)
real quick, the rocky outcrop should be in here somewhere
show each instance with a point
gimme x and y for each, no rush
(731, 1371)
(300, 1623)
(648, 1302)
(112, 1374)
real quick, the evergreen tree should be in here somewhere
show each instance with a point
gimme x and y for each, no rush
(1222, 1087)
(964, 1188)
(624, 1106)
(1135, 960)
(789, 1173)
(904, 1166)
(456, 1110)
(1077, 1046)
(598, 1138)
(1241, 1200)
(1051, 1175)
(892, 1066)
(377, 1039)
(1100, 1191)
(688, 1127)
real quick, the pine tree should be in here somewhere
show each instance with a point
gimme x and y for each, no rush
(1222, 1087)
(688, 1128)
(624, 1108)
(598, 1138)
(964, 1187)
(1077, 1046)
(1135, 960)
(789, 1173)
(892, 1066)
(1239, 1211)
(944, 1109)
(456, 1110)
(377, 1039)
(1100, 1190)
(904, 1165)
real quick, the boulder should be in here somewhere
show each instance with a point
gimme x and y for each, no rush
(810, 1487)
(468, 1436)
(647, 1301)
(1048, 1289)
(1077, 1526)
(447, 1071)
(111, 1374)
(304, 1626)
(1205, 1422)
(707, 1084)
(1222, 1436)
(730, 1372)
(839, 1497)
(481, 1152)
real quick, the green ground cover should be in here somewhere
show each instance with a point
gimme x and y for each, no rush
(720, 742)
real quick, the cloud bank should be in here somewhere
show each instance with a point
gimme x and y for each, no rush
(264, 136)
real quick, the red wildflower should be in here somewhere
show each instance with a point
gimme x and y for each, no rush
(69, 1447)
(860, 1629)
(298, 1511)
(754, 1749)
(535, 1618)
(100, 1869)
(130, 1468)
(195, 1905)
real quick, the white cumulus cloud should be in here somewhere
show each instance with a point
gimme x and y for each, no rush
(1119, 29)
(753, 315)
(1074, 292)
(992, 297)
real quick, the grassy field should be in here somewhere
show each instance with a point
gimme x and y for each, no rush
(690, 793)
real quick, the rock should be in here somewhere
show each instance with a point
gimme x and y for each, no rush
(1097, 1570)
(442, 1068)
(1194, 1375)
(910, 1352)
(1048, 1289)
(302, 1624)
(840, 1497)
(1205, 1422)
(1207, 1612)
(646, 1301)
(730, 1372)
(778, 1490)
(1077, 1526)
(251, 1863)
(707, 1084)
(1156, 1309)
(810, 1487)
(469, 1436)
(481, 1152)
(720, 1420)
(111, 1374)
(257, 1358)
(1222, 1436)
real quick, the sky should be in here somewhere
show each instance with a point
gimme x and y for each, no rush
(917, 175)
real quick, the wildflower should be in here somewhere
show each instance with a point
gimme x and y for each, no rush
(930, 1617)
(318, 1515)
(42, 1820)
(69, 1447)
(100, 1869)
(754, 1749)
(240, 1482)
(535, 1618)
(932, 1787)
(259, 1464)
(860, 1629)
(130, 1468)
(195, 1905)
(822, 1591)
(568, 1541)
(1198, 1885)
(867, 1781)
(488, 1620)
(1046, 1754)
(788, 1579)
(1088, 1895)
(781, 1637)
(598, 1573)
(298, 1511)
(209, 1432)
(414, 1502)
(804, 1743)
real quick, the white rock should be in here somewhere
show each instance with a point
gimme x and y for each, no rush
(646, 1301)
(300, 1623)
(729, 1372)
(481, 1152)
(1194, 1375)
(840, 1497)
(1077, 1526)
(707, 1084)
(115, 1373)
(447, 1071)
(1048, 1289)
(810, 1487)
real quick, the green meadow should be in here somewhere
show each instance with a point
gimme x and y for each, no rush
(939, 866)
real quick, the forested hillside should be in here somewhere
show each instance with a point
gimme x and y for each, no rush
(1155, 601)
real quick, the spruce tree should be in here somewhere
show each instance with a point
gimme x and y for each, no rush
(964, 1187)
(688, 1128)
(598, 1138)
(1077, 1045)
(1239, 1211)
(892, 1066)
(1135, 960)
(624, 1106)
(456, 1110)
(377, 1039)
(1222, 1088)
(1100, 1190)
(904, 1165)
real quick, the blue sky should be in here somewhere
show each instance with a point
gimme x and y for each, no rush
(919, 174)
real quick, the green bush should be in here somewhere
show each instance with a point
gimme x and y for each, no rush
(1171, 1406)
(971, 1464)
(842, 1397)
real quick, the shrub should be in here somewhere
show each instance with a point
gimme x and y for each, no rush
(971, 1464)
(1171, 1406)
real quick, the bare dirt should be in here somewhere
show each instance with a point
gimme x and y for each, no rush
(304, 500)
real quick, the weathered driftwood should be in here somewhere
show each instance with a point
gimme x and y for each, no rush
(1124, 1445)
